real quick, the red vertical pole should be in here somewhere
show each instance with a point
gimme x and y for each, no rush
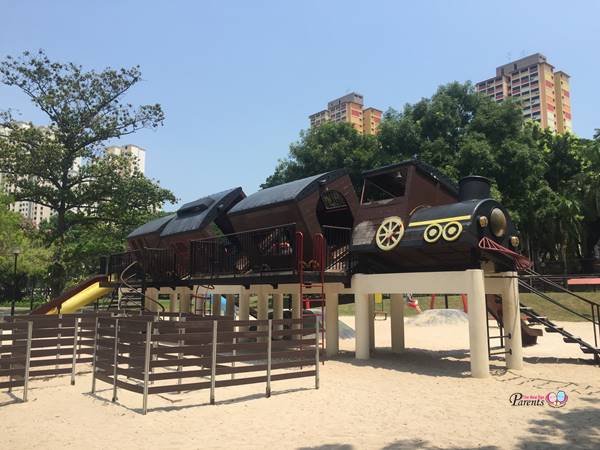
(432, 303)
(465, 304)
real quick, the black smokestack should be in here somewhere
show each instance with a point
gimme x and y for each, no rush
(473, 187)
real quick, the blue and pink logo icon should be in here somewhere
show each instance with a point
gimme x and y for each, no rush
(557, 399)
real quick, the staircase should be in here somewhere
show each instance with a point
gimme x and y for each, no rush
(537, 319)
(126, 299)
(550, 327)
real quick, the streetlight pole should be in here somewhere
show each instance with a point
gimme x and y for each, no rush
(16, 252)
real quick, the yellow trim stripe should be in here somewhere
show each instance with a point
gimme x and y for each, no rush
(447, 219)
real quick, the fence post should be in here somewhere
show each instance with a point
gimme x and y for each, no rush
(94, 356)
(213, 368)
(269, 343)
(181, 343)
(27, 360)
(116, 361)
(317, 325)
(75, 336)
(59, 338)
(147, 365)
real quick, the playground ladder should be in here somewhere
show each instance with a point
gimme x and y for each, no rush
(310, 301)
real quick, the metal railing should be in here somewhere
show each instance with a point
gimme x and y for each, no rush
(257, 251)
(594, 315)
(337, 248)
(153, 264)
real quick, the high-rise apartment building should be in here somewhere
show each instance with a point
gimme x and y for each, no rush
(138, 153)
(349, 108)
(544, 94)
(37, 213)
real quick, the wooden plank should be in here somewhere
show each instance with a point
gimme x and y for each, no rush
(49, 372)
(289, 376)
(178, 387)
(14, 383)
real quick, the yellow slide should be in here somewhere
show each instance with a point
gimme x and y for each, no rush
(73, 299)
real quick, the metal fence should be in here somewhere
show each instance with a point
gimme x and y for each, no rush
(150, 357)
(158, 353)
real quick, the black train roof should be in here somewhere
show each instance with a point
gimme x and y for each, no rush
(154, 226)
(425, 168)
(192, 216)
(292, 191)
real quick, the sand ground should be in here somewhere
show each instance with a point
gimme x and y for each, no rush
(422, 398)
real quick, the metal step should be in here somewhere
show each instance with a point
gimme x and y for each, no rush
(554, 329)
(590, 351)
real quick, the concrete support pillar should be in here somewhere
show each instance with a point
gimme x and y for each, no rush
(230, 305)
(278, 310)
(244, 306)
(216, 304)
(512, 322)
(332, 335)
(371, 321)
(480, 364)
(262, 312)
(151, 300)
(296, 308)
(173, 301)
(397, 322)
(185, 300)
(362, 319)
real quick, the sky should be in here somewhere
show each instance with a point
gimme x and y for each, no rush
(238, 79)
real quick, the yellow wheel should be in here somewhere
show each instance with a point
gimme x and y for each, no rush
(452, 231)
(432, 233)
(389, 234)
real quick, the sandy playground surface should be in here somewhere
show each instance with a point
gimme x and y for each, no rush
(423, 398)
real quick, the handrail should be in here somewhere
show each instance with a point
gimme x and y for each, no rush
(559, 287)
(125, 282)
(237, 233)
(551, 300)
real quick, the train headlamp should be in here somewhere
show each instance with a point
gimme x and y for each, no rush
(498, 222)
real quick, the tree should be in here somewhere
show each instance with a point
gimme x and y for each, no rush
(328, 147)
(63, 165)
(15, 232)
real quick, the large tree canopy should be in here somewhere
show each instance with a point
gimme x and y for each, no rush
(62, 165)
(548, 181)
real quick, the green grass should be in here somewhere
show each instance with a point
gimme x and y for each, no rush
(540, 305)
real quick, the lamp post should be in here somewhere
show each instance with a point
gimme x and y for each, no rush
(16, 253)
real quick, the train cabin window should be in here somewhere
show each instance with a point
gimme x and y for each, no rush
(333, 200)
(385, 186)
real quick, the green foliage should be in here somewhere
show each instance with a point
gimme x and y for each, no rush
(328, 147)
(549, 182)
(33, 257)
(63, 166)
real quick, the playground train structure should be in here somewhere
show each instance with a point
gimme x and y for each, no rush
(312, 232)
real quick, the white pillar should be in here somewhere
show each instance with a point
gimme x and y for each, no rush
(332, 335)
(361, 319)
(480, 364)
(173, 301)
(216, 304)
(262, 312)
(185, 300)
(244, 306)
(296, 310)
(150, 295)
(278, 310)
(511, 316)
(230, 305)
(397, 322)
(372, 321)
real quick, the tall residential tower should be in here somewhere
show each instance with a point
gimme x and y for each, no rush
(349, 108)
(543, 93)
